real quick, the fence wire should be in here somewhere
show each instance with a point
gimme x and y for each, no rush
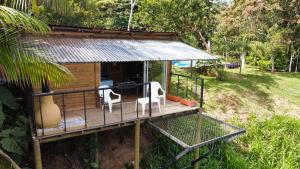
(196, 129)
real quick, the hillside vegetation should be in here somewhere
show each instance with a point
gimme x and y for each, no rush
(254, 92)
(267, 105)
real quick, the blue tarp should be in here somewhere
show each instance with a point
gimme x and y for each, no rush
(186, 63)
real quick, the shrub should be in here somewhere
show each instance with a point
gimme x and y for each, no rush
(264, 64)
(14, 127)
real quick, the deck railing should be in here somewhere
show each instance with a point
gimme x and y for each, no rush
(194, 82)
(63, 94)
(184, 86)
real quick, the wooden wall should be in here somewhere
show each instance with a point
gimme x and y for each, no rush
(87, 77)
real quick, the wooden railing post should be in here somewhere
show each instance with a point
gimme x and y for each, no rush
(202, 93)
(64, 111)
(137, 100)
(103, 104)
(150, 103)
(32, 110)
(177, 90)
(41, 115)
(84, 109)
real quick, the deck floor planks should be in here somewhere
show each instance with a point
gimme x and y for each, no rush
(95, 116)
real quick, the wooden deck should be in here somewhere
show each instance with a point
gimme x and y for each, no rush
(95, 117)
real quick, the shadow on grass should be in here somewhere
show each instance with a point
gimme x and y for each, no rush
(289, 75)
(251, 86)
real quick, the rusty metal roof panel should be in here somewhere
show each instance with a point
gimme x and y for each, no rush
(82, 50)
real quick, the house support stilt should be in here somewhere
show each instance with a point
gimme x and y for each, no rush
(197, 155)
(96, 148)
(37, 154)
(198, 139)
(137, 144)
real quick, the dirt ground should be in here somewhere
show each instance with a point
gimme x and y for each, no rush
(64, 154)
(116, 150)
(117, 147)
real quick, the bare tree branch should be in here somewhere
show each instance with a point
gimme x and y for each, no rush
(6, 157)
(205, 43)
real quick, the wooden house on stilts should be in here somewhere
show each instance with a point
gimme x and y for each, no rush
(121, 78)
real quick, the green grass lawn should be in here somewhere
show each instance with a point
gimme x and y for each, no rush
(266, 105)
(254, 92)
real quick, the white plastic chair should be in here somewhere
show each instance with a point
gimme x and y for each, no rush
(107, 97)
(155, 88)
(155, 96)
(145, 100)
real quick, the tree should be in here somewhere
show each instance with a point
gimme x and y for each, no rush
(133, 6)
(274, 24)
(194, 21)
(24, 66)
(108, 14)
(288, 12)
(19, 62)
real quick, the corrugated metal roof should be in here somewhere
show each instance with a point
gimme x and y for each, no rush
(82, 50)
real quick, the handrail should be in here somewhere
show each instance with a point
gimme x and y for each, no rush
(196, 86)
(176, 74)
(83, 91)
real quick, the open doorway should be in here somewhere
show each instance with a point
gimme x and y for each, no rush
(121, 74)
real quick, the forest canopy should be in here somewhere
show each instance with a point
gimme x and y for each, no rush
(265, 32)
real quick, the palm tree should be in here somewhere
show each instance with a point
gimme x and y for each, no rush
(20, 63)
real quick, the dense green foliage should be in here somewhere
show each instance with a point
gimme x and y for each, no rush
(109, 14)
(187, 18)
(13, 126)
(264, 30)
(269, 144)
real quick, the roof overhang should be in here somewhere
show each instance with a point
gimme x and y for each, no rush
(119, 46)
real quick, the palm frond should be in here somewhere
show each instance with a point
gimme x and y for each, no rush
(20, 63)
(60, 6)
(20, 5)
(24, 65)
(18, 20)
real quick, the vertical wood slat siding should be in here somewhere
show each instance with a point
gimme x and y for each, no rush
(87, 76)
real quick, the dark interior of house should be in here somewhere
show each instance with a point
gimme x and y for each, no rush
(123, 74)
